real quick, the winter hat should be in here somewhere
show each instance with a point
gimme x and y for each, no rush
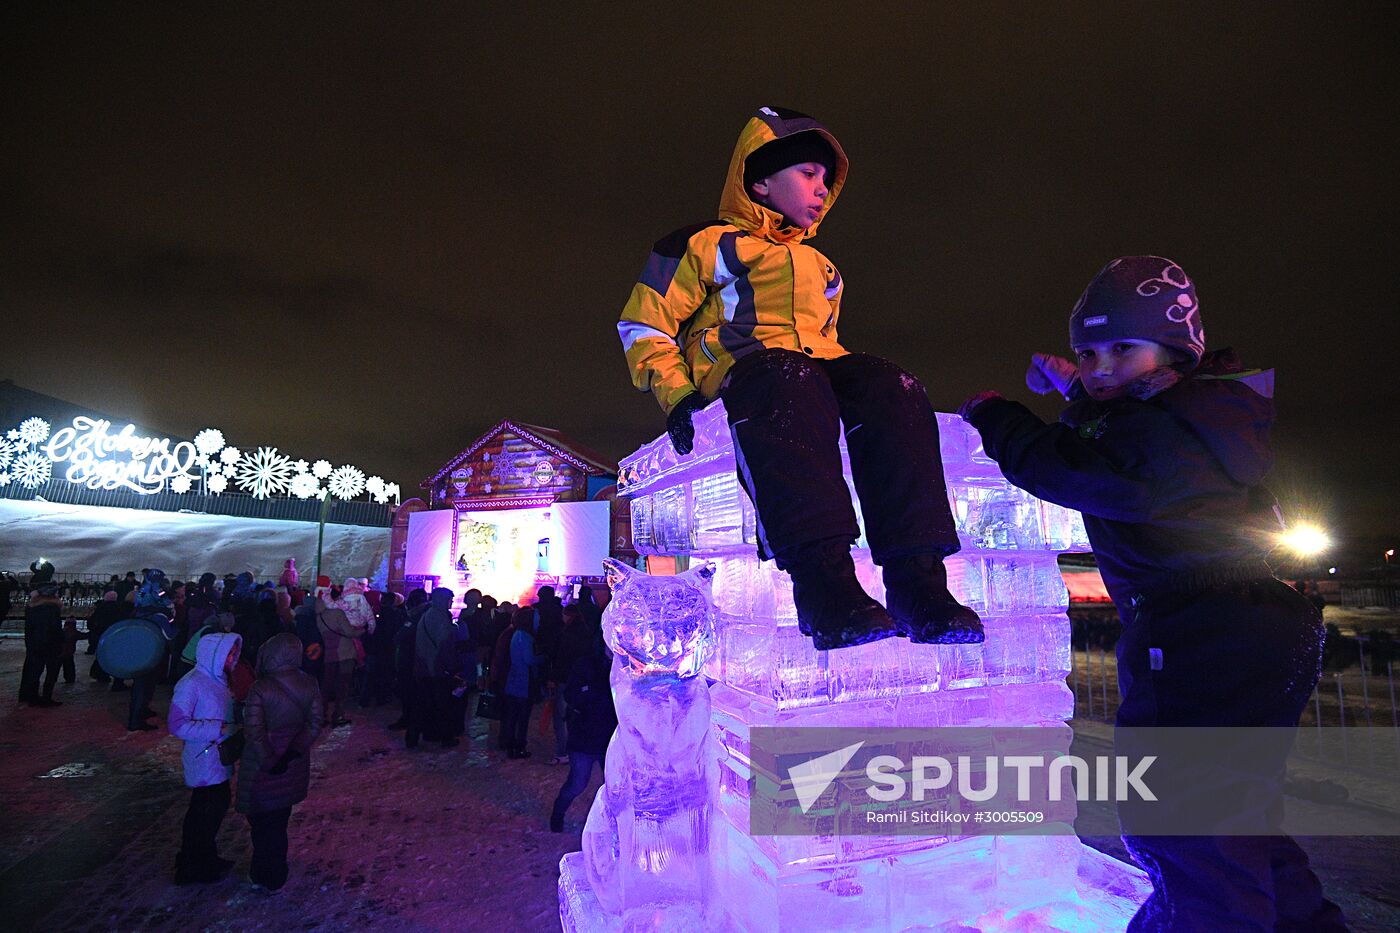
(806, 146)
(151, 598)
(1140, 298)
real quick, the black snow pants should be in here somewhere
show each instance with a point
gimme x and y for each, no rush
(1242, 654)
(786, 413)
(38, 663)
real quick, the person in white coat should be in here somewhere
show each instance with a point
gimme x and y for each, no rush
(201, 714)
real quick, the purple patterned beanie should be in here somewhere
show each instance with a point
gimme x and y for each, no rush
(1141, 298)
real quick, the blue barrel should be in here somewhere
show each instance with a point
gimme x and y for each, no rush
(130, 648)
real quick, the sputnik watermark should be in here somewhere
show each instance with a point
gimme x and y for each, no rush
(840, 782)
(887, 783)
(929, 773)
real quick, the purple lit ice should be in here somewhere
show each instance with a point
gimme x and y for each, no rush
(667, 847)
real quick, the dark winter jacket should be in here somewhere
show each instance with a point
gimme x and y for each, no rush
(309, 633)
(281, 719)
(43, 625)
(578, 640)
(104, 615)
(1170, 484)
(500, 659)
(589, 608)
(406, 642)
(392, 618)
(257, 627)
(435, 641)
(549, 626)
(592, 717)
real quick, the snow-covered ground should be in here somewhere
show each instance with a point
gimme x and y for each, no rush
(93, 539)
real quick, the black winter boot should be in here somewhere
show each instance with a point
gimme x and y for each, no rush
(832, 608)
(916, 589)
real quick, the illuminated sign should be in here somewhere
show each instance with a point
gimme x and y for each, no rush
(91, 452)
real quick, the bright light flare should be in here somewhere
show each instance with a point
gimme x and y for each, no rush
(1305, 540)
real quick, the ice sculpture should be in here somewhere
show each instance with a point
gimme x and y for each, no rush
(765, 673)
(647, 842)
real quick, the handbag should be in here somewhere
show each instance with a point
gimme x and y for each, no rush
(488, 706)
(231, 748)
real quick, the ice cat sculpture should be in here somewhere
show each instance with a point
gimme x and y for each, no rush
(647, 840)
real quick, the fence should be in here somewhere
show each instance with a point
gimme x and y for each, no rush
(78, 591)
(1365, 594)
(1361, 694)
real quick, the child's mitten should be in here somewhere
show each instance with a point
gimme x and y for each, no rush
(1048, 372)
(678, 423)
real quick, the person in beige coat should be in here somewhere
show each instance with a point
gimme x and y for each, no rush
(340, 637)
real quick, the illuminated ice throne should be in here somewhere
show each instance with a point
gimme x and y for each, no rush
(764, 672)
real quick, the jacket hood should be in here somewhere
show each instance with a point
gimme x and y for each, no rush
(735, 205)
(1231, 410)
(441, 598)
(213, 650)
(280, 653)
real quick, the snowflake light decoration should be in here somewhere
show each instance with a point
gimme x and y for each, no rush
(34, 431)
(346, 482)
(212, 467)
(264, 473)
(208, 441)
(304, 486)
(32, 469)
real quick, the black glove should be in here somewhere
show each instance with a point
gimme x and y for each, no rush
(678, 422)
(968, 407)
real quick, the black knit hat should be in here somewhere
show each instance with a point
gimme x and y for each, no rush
(769, 159)
(1140, 298)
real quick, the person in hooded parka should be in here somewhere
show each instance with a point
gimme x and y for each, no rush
(282, 718)
(201, 715)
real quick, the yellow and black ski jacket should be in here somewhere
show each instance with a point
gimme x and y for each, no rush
(712, 293)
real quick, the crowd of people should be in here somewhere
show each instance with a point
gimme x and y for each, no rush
(259, 670)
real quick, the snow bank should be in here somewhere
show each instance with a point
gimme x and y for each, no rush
(92, 539)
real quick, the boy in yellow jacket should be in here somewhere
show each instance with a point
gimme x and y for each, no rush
(742, 309)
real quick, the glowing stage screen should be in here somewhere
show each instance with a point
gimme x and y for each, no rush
(504, 552)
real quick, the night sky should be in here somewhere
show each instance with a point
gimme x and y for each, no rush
(356, 232)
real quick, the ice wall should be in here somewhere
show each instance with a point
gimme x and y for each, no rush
(763, 672)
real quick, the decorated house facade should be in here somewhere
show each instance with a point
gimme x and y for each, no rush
(519, 507)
